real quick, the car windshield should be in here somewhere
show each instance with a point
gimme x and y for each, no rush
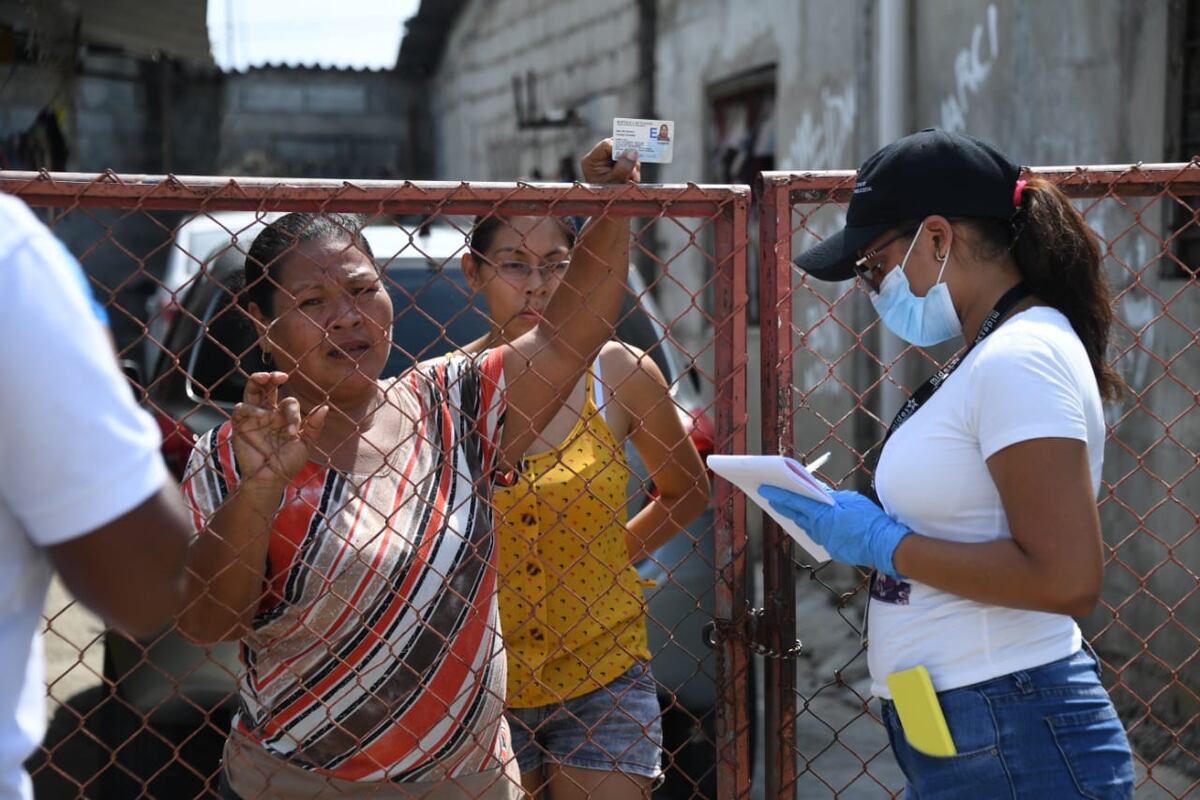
(434, 315)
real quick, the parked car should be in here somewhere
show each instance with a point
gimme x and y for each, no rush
(208, 351)
(198, 240)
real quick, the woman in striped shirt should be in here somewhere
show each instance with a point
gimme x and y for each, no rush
(344, 523)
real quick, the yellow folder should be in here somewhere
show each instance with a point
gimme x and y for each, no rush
(920, 712)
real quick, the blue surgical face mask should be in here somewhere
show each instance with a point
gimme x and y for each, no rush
(922, 321)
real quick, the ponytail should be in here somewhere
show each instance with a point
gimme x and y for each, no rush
(1059, 258)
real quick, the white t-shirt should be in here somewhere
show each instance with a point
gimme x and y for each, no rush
(1030, 379)
(76, 452)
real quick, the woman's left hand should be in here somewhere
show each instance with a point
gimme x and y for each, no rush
(854, 530)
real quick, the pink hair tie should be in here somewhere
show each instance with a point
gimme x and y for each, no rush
(1017, 192)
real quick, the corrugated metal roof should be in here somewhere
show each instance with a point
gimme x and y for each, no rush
(302, 66)
(177, 28)
(425, 37)
(174, 28)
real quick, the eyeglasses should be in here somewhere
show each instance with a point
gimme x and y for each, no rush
(516, 271)
(866, 270)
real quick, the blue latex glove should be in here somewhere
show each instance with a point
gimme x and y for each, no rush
(854, 530)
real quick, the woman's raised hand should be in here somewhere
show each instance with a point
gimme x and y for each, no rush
(598, 165)
(271, 438)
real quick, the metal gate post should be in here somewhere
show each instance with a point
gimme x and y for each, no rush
(779, 581)
(733, 725)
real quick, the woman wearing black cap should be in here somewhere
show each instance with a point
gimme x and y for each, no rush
(988, 539)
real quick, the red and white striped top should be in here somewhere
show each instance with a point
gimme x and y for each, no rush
(376, 653)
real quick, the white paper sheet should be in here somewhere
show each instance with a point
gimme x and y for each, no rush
(749, 472)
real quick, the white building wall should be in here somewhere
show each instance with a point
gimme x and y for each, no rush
(584, 57)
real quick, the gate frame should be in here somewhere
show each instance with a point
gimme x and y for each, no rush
(724, 206)
(779, 192)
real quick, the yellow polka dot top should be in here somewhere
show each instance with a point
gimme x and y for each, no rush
(571, 611)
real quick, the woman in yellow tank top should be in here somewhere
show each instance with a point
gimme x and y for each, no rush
(581, 701)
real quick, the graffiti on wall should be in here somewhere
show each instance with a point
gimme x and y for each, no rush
(972, 66)
(819, 141)
(822, 141)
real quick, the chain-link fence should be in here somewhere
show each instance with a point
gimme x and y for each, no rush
(833, 379)
(167, 258)
(363, 650)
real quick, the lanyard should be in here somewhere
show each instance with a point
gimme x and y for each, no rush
(1004, 305)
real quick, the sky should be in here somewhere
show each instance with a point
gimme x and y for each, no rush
(341, 33)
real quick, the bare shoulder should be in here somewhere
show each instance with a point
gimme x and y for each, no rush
(628, 369)
(620, 359)
(477, 346)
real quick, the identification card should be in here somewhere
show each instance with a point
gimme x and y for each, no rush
(652, 138)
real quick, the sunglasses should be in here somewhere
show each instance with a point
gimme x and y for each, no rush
(864, 269)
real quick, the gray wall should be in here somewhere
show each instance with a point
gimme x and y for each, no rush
(584, 57)
(115, 120)
(133, 115)
(822, 120)
(1070, 82)
(319, 123)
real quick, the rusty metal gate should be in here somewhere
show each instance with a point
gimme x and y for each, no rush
(146, 717)
(831, 381)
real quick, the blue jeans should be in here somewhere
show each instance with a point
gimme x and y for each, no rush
(616, 728)
(1050, 733)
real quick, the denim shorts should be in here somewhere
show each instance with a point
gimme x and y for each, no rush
(616, 728)
(1049, 732)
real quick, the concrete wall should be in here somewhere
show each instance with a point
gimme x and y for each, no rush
(584, 58)
(1073, 82)
(822, 120)
(320, 123)
(107, 110)
(115, 120)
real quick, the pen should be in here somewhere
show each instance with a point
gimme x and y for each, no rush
(818, 462)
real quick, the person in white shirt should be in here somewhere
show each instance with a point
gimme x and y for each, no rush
(83, 489)
(988, 540)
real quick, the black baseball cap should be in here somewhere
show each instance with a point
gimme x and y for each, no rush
(926, 173)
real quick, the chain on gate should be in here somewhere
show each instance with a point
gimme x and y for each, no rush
(758, 629)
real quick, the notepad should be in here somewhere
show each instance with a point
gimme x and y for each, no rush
(749, 472)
